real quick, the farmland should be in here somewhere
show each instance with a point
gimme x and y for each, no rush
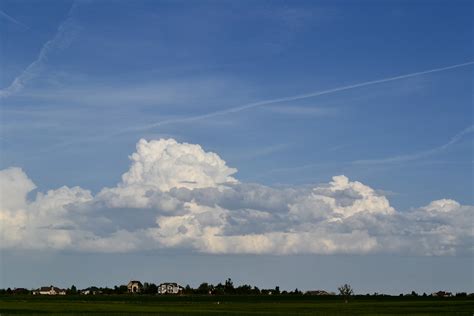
(124, 305)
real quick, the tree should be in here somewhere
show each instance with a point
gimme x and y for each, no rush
(188, 290)
(122, 289)
(150, 288)
(256, 290)
(229, 287)
(107, 290)
(296, 292)
(277, 290)
(72, 290)
(204, 288)
(243, 290)
(346, 291)
(219, 289)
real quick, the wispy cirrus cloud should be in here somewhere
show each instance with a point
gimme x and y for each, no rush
(63, 36)
(382, 161)
(179, 92)
(421, 154)
(298, 110)
(11, 19)
(293, 98)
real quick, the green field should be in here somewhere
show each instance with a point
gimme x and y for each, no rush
(232, 305)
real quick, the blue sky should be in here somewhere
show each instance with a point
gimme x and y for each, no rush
(83, 81)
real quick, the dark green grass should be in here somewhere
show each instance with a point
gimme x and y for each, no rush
(232, 305)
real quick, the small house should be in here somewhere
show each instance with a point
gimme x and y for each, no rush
(93, 290)
(170, 288)
(134, 286)
(50, 290)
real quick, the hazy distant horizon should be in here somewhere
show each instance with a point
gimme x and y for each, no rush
(366, 274)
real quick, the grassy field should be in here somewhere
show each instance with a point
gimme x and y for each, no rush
(232, 305)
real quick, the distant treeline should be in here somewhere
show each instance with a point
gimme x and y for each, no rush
(226, 288)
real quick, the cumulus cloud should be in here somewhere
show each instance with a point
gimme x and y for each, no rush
(44, 222)
(159, 166)
(177, 195)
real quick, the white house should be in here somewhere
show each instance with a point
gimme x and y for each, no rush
(93, 290)
(134, 286)
(170, 288)
(50, 290)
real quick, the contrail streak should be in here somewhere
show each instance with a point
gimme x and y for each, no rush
(295, 97)
(418, 155)
(257, 104)
(62, 35)
(395, 159)
(12, 19)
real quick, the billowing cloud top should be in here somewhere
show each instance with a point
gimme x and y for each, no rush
(166, 164)
(176, 195)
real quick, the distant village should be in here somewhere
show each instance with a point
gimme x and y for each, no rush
(135, 287)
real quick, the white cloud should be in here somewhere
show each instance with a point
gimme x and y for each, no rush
(166, 164)
(14, 186)
(444, 205)
(45, 222)
(159, 166)
(347, 198)
(176, 195)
